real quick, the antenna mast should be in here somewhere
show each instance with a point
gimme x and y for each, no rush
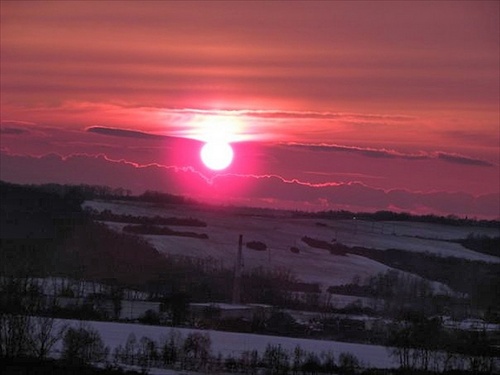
(237, 273)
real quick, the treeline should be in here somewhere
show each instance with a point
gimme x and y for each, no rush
(33, 224)
(482, 244)
(83, 348)
(27, 212)
(161, 231)
(398, 216)
(194, 353)
(388, 284)
(45, 233)
(86, 192)
(421, 344)
(89, 192)
(107, 215)
(480, 281)
(418, 344)
(392, 291)
(95, 252)
(477, 281)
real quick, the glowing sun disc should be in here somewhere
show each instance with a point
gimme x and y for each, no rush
(217, 155)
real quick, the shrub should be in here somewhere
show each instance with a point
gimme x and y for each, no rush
(150, 317)
(196, 350)
(83, 345)
(349, 363)
(257, 245)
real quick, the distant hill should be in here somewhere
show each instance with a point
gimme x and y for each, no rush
(44, 231)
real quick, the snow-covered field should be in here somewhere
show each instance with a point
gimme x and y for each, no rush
(234, 344)
(282, 231)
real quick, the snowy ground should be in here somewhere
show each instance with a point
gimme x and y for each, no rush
(233, 344)
(282, 232)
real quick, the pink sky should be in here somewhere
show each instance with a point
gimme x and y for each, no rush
(329, 105)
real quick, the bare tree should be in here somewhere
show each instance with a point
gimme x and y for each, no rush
(20, 299)
(14, 335)
(171, 347)
(44, 333)
(148, 353)
(196, 350)
(349, 363)
(276, 359)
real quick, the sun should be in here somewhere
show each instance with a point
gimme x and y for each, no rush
(217, 155)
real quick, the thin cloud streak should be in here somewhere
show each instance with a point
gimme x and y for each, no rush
(279, 114)
(461, 159)
(126, 133)
(392, 154)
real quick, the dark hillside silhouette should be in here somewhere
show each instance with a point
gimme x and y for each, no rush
(33, 223)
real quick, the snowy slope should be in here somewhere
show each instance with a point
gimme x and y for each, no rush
(282, 232)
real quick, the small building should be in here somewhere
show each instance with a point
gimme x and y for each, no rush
(220, 311)
(125, 310)
(227, 311)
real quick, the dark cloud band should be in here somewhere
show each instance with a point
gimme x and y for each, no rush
(392, 154)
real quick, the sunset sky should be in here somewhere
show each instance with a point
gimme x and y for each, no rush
(358, 105)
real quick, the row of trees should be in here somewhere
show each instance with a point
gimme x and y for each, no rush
(108, 215)
(480, 281)
(161, 231)
(418, 343)
(38, 337)
(421, 343)
(391, 290)
(106, 192)
(194, 353)
(23, 336)
(482, 244)
(28, 336)
(399, 216)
